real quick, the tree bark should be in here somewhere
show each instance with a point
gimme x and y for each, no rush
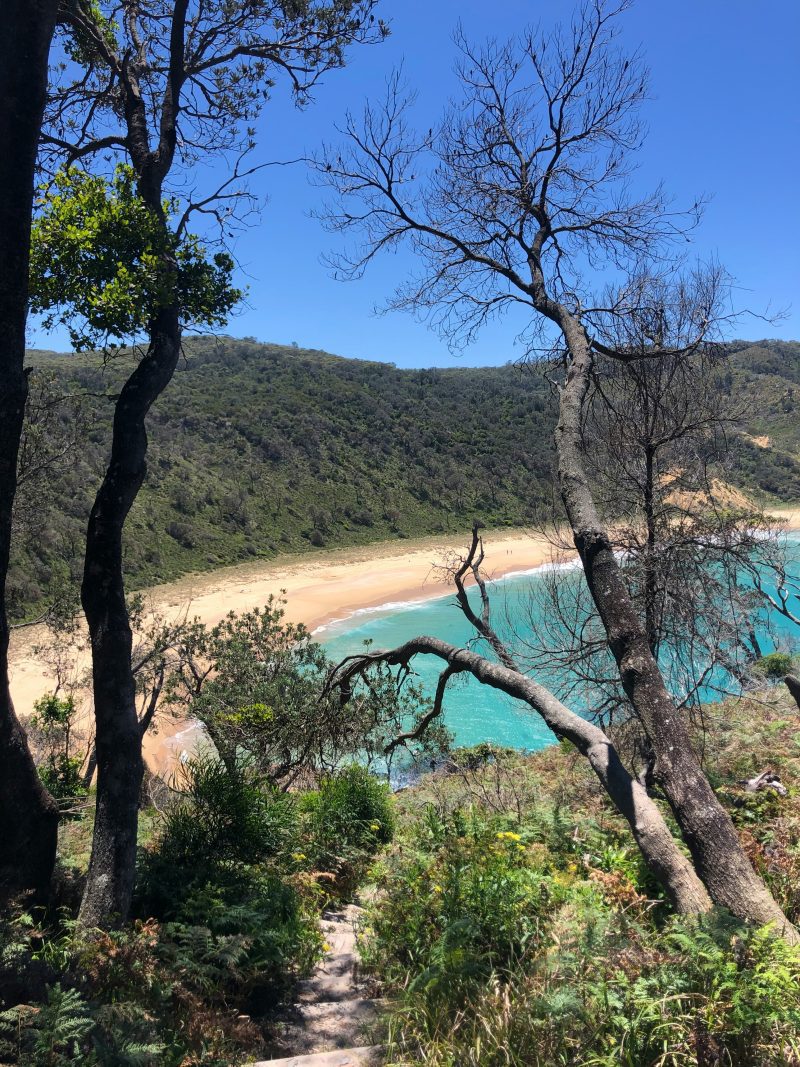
(28, 815)
(707, 828)
(661, 853)
(112, 867)
(792, 683)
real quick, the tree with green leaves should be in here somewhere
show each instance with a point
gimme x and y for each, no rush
(53, 727)
(159, 87)
(28, 816)
(257, 683)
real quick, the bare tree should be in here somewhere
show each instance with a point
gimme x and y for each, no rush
(28, 816)
(163, 86)
(523, 195)
(700, 562)
(661, 852)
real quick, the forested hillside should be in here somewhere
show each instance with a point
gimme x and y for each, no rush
(258, 449)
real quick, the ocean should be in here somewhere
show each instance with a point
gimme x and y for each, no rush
(473, 712)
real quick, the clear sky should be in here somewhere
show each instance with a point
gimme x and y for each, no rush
(723, 120)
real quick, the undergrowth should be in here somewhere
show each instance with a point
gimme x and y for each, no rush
(230, 886)
(512, 921)
(515, 924)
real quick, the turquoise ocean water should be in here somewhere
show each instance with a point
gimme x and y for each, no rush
(473, 712)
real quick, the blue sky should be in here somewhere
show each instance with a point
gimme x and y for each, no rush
(723, 121)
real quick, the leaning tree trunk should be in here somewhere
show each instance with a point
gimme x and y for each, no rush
(28, 815)
(118, 739)
(792, 683)
(707, 828)
(659, 849)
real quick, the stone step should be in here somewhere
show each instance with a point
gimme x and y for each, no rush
(363, 1056)
(337, 1024)
(334, 979)
(340, 937)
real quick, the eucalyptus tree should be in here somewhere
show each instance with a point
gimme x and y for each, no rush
(523, 196)
(28, 816)
(160, 87)
(496, 666)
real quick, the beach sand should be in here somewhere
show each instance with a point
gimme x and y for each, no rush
(318, 587)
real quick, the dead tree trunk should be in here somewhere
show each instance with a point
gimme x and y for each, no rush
(109, 886)
(792, 683)
(651, 833)
(707, 828)
(28, 815)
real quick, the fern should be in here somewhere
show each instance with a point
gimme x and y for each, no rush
(53, 1035)
(13, 1022)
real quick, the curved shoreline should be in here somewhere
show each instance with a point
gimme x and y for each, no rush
(320, 589)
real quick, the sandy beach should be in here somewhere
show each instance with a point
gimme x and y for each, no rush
(318, 587)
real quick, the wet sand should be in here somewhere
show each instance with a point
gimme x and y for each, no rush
(318, 588)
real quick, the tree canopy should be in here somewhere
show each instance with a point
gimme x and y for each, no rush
(103, 263)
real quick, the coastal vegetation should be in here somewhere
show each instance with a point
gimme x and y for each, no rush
(512, 920)
(515, 924)
(331, 452)
(627, 895)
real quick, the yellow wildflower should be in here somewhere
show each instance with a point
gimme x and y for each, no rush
(326, 947)
(375, 826)
(298, 856)
(437, 889)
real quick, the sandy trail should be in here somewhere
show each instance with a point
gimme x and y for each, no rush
(318, 588)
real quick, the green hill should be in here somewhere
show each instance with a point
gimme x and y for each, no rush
(257, 449)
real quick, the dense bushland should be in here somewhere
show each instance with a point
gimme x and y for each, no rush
(257, 450)
(516, 924)
(511, 921)
(232, 877)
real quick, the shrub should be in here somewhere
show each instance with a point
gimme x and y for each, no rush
(507, 947)
(225, 818)
(264, 917)
(52, 727)
(347, 820)
(470, 900)
(221, 874)
(52, 1035)
(774, 665)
